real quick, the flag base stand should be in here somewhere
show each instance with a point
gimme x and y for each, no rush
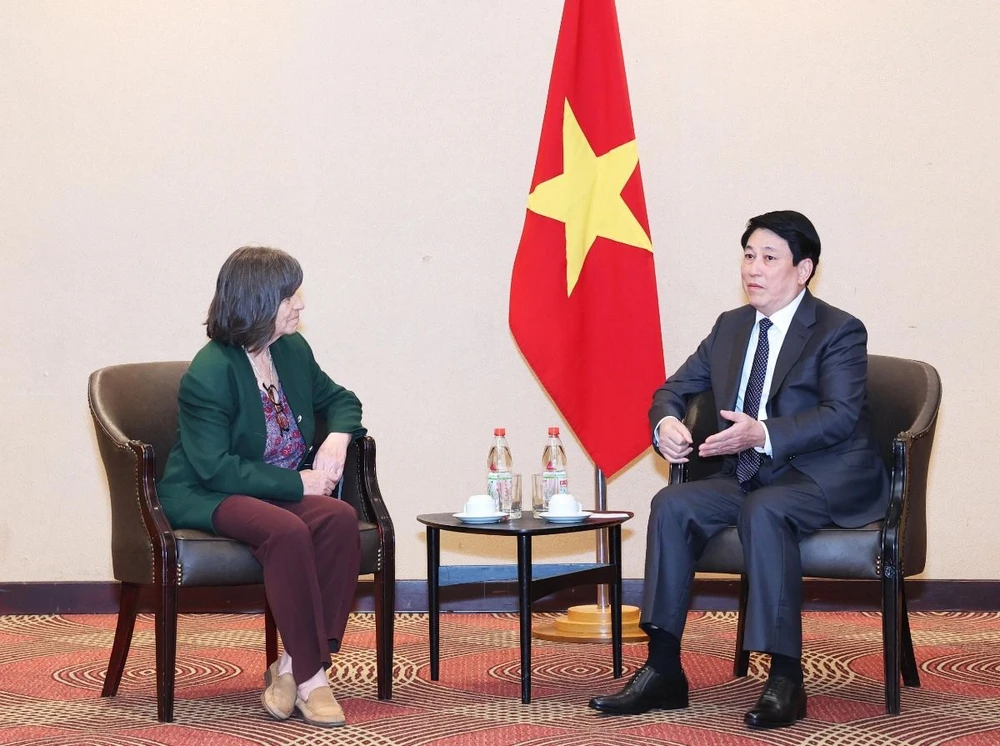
(591, 623)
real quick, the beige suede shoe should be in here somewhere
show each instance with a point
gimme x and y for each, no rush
(279, 696)
(321, 708)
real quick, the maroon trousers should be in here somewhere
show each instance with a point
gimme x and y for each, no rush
(311, 555)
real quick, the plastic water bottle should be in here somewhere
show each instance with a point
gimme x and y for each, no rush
(554, 466)
(499, 470)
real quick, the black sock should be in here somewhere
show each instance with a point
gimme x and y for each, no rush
(786, 667)
(664, 653)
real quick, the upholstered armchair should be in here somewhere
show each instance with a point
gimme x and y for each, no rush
(134, 408)
(904, 396)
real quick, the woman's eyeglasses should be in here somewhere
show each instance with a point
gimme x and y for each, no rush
(279, 408)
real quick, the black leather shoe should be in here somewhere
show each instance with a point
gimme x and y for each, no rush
(645, 691)
(782, 702)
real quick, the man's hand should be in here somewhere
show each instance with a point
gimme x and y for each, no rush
(332, 454)
(745, 433)
(674, 441)
(317, 482)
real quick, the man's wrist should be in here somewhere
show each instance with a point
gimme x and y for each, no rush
(766, 447)
(656, 430)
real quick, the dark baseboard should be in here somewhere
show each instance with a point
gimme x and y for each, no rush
(411, 596)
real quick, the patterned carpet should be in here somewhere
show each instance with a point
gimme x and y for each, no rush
(52, 669)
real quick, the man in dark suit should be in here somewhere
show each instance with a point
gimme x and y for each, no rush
(789, 373)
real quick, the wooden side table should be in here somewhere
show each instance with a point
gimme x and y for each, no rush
(530, 589)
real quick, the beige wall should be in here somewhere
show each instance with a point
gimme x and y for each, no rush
(389, 146)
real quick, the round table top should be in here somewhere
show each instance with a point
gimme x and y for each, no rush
(526, 524)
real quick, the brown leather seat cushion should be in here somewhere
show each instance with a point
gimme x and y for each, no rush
(831, 552)
(205, 559)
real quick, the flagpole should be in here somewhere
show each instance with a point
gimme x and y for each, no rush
(601, 504)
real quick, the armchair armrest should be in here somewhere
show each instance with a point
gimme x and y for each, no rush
(158, 529)
(372, 504)
(904, 541)
(678, 474)
(361, 489)
(142, 541)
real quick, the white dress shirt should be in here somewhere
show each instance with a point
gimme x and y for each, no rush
(780, 321)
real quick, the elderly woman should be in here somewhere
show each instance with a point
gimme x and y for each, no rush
(247, 417)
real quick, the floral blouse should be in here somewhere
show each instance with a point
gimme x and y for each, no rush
(284, 445)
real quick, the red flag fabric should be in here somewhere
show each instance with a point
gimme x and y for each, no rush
(583, 306)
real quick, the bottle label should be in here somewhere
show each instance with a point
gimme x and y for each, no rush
(499, 485)
(556, 483)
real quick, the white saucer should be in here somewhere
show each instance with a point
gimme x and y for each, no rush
(488, 518)
(567, 517)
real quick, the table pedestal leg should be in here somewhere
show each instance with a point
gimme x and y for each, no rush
(524, 607)
(433, 610)
(615, 558)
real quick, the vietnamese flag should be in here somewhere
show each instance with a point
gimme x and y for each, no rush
(583, 305)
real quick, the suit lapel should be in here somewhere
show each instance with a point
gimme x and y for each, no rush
(250, 423)
(737, 354)
(290, 374)
(799, 332)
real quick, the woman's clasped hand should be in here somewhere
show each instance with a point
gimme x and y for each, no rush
(317, 482)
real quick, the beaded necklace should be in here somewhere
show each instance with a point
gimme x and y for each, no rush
(272, 391)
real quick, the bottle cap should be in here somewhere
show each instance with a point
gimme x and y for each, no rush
(553, 431)
(499, 431)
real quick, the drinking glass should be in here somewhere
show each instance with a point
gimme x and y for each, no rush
(539, 494)
(510, 502)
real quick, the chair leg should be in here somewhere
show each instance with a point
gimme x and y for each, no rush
(741, 661)
(166, 651)
(270, 635)
(891, 602)
(128, 607)
(385, 607)
(908, 661)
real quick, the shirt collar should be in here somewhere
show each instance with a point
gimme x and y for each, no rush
(782, 318)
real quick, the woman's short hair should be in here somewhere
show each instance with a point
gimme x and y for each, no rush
(252, 284)
(795, 228)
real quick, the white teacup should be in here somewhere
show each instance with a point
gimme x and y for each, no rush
(563, 504)
(480, 505)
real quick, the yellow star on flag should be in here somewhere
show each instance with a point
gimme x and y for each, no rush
(587, 197)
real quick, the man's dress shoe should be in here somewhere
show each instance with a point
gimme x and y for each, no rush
(645, 691)
(782, 702)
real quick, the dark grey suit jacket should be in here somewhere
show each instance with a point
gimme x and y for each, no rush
(817, 408)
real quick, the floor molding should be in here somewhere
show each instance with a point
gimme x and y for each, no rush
(709, 594)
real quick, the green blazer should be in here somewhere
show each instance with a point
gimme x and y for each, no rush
(221, 429)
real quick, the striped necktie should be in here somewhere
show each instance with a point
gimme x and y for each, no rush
(748, 462)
